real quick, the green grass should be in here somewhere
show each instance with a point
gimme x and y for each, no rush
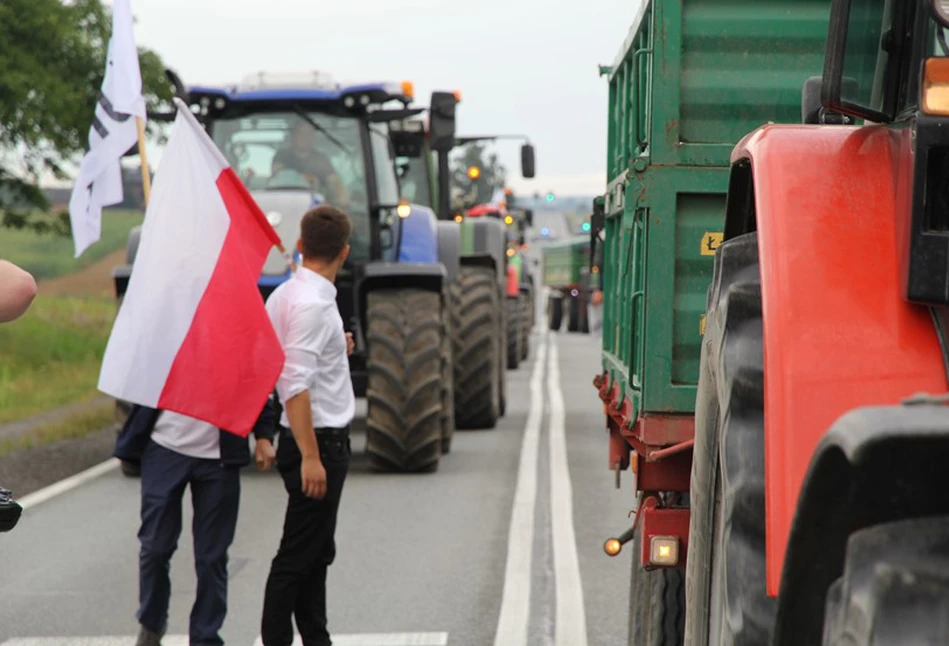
(81, 424)
(50, 357)
(51, 255)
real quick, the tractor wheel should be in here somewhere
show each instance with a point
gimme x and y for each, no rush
(527, 325)
(893, 590)
(656, 603)
(404, 416)
(476, 348)
(502, 363)
(513, 329)
(555, 313)
(448, 393)
(725, 571)
(573, 314)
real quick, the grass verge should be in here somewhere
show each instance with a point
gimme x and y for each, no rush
(50, 357)
(49, 255)
(78, 425)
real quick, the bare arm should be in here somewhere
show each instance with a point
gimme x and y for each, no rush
(17, 290)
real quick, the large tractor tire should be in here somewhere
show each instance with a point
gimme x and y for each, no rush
(513, 327)
(524, 304)
(404, 417)
(573, 314)
(448, 377)
(502, 365)
(555, 313)
(727, 603)
(476, 350)
(894, 589)
(656, 603)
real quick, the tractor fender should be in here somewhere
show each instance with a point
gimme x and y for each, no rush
(485, 239)
(430, 276)
(875, 465)
(827, 203)
(449, 247)
(418, 236)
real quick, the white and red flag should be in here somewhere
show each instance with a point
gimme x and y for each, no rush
(192, 335)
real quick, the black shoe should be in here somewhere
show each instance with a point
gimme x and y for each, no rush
(9, 510)
(148, 638)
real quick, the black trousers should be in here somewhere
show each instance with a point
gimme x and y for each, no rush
(215, 495)
(297, 582)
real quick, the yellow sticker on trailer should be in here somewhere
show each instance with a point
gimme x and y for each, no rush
(702, 325)
(710, 242)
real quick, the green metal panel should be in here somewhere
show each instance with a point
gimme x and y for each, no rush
(566, 263)
(692, 78)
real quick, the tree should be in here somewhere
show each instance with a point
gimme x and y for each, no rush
(52, 61)
(467, 192)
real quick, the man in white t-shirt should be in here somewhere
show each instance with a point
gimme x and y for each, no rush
(175, 452)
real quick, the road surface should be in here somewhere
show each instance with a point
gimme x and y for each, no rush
(502, 545)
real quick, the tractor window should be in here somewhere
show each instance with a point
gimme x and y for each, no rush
(383, 162)
(415, 181)
(865, 58)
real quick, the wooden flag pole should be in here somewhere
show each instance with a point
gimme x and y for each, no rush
(143, 156)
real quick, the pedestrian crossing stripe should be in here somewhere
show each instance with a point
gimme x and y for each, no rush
(353, 639)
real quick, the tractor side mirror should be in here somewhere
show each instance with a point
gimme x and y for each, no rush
(441, 123)
(597, 222)
(812, 108)
(527, 161)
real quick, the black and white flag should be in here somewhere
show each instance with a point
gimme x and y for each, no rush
(112, 134)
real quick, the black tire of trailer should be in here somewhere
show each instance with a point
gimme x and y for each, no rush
(448, 378)
(894, 586)
(404, 415)
(524, 304)
(513, 332)
(476, 347)
(656, 603)
(725, 580)
(573, 314)
(555, 313)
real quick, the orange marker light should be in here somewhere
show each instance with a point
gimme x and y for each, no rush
(459, 218)
(408, 89)
(474, 172)
(457, 96)
(935, 94)
(612, 546)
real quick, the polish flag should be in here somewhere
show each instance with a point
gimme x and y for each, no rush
(192, 335)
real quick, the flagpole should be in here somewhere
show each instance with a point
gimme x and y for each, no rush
(146, 176)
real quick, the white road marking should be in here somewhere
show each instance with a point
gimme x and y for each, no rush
(65, 485)
(570, 624)
(516, 597)
(355, 639)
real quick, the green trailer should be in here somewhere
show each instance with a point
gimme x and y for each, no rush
(570, 281)
(691, 79)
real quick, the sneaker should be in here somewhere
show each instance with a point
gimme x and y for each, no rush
(148, 638)
(9, 510)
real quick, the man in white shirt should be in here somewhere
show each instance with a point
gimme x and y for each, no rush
(17, 290)
(313, 451)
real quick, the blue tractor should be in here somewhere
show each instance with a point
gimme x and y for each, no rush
(393, 291)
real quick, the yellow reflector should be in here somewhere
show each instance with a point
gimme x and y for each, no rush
(408, 89)
(936, 86)
(612, 546)
(508, 219)
(664, 550)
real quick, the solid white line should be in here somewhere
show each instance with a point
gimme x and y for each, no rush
(570, 623)
(356, 639)
(67, 484)
(516, 597)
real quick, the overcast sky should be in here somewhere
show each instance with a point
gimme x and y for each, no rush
(522, 66)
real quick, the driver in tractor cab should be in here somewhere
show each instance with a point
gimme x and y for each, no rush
(303, 157)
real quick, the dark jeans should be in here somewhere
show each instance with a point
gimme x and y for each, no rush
(297, 582)
(215, 496)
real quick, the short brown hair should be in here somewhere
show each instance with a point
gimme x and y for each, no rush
(324, 232)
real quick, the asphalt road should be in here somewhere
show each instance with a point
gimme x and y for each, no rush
(422, 559)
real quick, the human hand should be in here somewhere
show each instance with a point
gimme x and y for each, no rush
(313, 478)
(264, 454)
(350, 343)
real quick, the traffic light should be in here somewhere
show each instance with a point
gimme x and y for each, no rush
(550, 197)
